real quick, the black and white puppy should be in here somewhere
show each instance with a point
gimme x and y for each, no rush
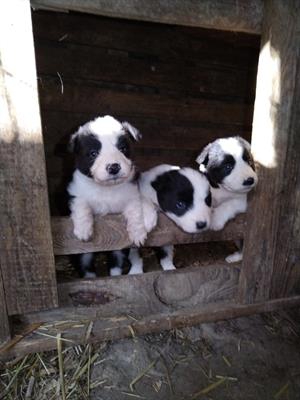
(104, 180)
(229, 167)
(183, 194)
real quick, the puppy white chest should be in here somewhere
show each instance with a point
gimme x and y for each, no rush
(103, 199)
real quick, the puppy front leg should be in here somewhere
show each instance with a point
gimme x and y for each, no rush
(226, 211)
(150, 214)
(166, 256)
(135, 222)
(82, 217)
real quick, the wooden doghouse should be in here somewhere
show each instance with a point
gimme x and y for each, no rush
(203, 80)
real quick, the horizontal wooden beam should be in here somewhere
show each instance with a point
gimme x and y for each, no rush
(148, 293)
(231, 15)
(110, 234)
(127, 325)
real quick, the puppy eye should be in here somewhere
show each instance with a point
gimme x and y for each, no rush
(180, 205)
(123, 149)
(228, 167)
(93, 153)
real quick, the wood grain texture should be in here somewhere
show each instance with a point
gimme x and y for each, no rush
(121, 326)
(4, 321)
(79, 96)
(110, 234)
(26, 254)
(239, 15)
(271, 251)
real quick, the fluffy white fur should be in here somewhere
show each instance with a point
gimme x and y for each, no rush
(102, 194)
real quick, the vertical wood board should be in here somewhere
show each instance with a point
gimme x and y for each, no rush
(26, 254)
(273, 215)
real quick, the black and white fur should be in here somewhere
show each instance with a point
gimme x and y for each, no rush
(229, 167)
(104, 180)
(183, 194)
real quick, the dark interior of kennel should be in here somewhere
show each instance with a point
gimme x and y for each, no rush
(182, 87)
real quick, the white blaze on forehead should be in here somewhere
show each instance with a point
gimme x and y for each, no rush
(231, 146)
(198, 181)
(103, 126)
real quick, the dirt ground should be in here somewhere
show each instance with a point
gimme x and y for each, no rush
(255, 358)
(248, 358)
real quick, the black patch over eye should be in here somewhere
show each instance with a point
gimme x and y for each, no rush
(88, 147)
(93, 153)
(218, 172)
(227, 167)
(123, 145)
(208, 199)
(180, 205)
(175, 193)
(247, 157)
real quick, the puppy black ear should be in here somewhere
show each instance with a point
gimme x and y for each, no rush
(203, 159)
(73, 143)
(159, 183)
(131, 130)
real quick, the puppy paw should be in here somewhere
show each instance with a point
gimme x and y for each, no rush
(169, 267)
(135, 270)
(138, 236)
(89, 275)
(217, 225)
(234, 257)
(115, 271)
(84, 232)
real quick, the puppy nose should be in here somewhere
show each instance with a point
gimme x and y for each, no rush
(113, 169)
(201, 225)
(248, 182)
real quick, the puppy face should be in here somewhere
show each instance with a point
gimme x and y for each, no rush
(184, 195)
(228, 163)
(102, 150)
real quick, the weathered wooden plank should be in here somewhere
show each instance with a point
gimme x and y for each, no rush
(87, 97)
(175, 76)
(26, 254)
(151, 293)
(153, 42)
(4, 322)
(125, 325)
(233, 15)
(110, 234)
(271, 239)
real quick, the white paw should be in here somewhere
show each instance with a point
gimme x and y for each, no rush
(135, 270)
(234, 257)
(89, 275)
(138, 236)
(169, 268)
(217, 224)
(84, 232)
(116, 271)
(167, 264)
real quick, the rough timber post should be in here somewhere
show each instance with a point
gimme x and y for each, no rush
(26, 255)
(271, 253)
